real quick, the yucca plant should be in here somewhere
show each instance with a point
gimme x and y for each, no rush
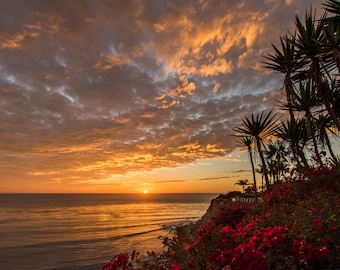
(248, 142)
(259, 127)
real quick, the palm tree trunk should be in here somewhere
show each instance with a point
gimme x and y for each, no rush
(312, 134)
(253, 169)
(298, 153)
(336, 57)
(303, 157)
(265, 172)
(295, 153)
(332, 113)
(289, 93)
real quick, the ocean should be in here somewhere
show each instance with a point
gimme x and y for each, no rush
(83, 231)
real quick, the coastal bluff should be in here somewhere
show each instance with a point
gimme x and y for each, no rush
(188, 232)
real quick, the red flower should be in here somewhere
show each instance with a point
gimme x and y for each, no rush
(191, 263)
(274, 236)
(122, 259)
(331, 227)
(318, 224)
(227, 230)
(171, 254)
(190, 249)
(306, 253)
(323, 252)
(109, 266)
(206, 231)
(175, 267)
(248, 256)
(315, 210)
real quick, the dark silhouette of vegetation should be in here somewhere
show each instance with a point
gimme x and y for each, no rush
(309, 59)
(242, 183)
(258, 127)
(248, 141)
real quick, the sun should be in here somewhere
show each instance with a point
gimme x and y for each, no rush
(145, 191)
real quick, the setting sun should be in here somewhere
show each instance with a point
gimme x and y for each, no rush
(145, 191)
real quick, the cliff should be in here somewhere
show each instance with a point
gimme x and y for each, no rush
(188, 232)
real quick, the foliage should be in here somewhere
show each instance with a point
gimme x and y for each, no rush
(242, 182)
(295, 226)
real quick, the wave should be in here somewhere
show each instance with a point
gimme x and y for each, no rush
(77, 232)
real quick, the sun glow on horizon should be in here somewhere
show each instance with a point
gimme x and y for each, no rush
(145, 191)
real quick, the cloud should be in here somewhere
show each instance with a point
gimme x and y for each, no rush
(95, 88)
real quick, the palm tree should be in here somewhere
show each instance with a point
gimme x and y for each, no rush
(331, 31)
(295, 133)
(270, 151)
(248, 142)
(330, 41)
(324, 126)
(306, 101)
(242, 183)
(307, 43)
(284, 61)
(276, 156)
(334, 91)
(333, 6)
(258, 127)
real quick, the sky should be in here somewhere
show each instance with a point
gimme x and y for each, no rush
(127, 96)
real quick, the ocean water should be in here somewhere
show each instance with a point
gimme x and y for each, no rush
(83, 231)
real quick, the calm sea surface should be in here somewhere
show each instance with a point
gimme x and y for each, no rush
(83, 231)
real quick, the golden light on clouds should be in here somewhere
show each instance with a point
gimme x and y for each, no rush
(127, 96)
(13, 41)
(108, 61)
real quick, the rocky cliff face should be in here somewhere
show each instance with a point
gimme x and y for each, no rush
(188, 233)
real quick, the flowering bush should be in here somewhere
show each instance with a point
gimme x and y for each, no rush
(121, 261)
(295, 226)
(151, 261)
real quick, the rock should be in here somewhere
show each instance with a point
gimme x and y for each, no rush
(188, 233)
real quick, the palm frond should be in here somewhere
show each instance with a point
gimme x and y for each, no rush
(333, 6)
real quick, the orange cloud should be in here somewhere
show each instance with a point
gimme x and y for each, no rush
(108, 61)
(116, 90)
(11, 41)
